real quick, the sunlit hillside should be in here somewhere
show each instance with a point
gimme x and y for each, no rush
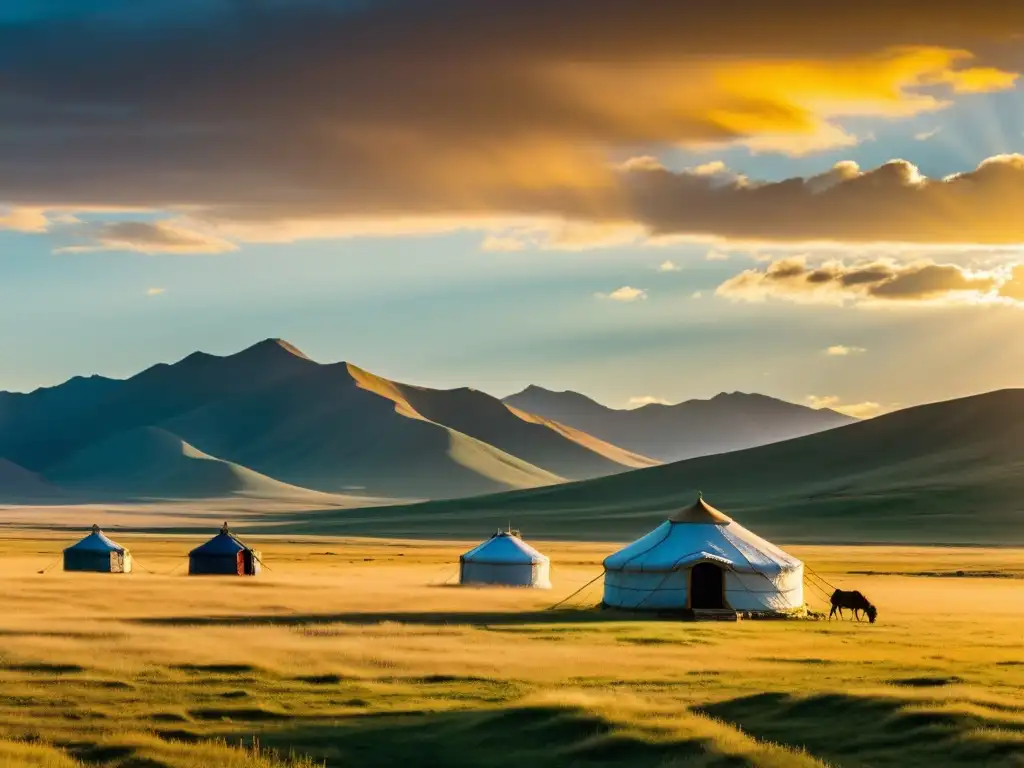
(946, 472)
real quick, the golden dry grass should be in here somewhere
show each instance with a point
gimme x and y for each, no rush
(352, 653)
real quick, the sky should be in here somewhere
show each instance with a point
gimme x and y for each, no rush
(823, 205)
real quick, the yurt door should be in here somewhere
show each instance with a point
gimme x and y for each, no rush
(707, 588)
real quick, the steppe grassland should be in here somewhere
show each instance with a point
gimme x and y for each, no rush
(353, 652)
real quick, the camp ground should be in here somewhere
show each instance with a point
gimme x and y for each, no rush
(698, 563)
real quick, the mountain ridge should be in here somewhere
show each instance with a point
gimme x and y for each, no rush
(338, 428)
(940, 473)
(331, 428)
(726, 422)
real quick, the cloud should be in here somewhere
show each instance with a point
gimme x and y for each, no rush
(155, 291)
(841, 350)
(926, 135)
(894, 203)
(641, 401)
(697, 295)
(503, 244)
(1013, 287)
(148, 238)
(865, 410)
(624, 294)
(291, 119)
(714, 255)
(565, 235)
(31, 220)
(669, 266)
(878, 282)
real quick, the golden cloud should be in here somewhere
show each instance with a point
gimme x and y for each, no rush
(624, 294)
(880, 282)
(641, 400)
(148, 238)
(864, 410)
(22, 219)
(894, 203)
(841, 350)
(461, 111)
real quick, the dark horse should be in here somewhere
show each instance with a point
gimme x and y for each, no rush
(855, 601)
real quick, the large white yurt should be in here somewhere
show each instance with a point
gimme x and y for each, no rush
(505, 560)
(700, 559)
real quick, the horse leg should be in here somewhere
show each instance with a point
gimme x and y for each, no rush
(856, 613)
(832, 613)
(841, 615)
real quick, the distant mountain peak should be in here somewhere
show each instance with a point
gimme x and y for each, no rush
(276, 345)
(535, 390)
(736, 395)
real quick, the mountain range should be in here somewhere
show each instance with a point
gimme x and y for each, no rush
(269, 421)
(948, 472)
(726, 422)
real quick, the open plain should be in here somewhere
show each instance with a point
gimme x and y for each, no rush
(360, 652)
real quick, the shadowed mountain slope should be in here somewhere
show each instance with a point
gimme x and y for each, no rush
(152, 462)
(726, 422)
(45, 427)
(561, 450)
(323, 430)
(329, 427)
(18, 484)
(944, 472)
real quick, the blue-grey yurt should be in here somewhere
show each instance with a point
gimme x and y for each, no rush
(223, 555)
(98, 554)
(505, 560)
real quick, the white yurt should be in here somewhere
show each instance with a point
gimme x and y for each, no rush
(700, 559)
(505, 560)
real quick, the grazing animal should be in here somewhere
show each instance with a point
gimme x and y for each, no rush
(855, 601)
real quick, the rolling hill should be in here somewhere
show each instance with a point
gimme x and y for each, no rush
(944, 472)
(18, 484)
(727, 422)
(42, 428)
(324, 431)
(333, 428)
(153, 463)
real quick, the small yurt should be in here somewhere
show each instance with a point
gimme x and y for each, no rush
(505, 560)
(98, 554)
(700, 559)
(223, 555)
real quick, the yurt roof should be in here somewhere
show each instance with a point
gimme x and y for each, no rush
(96, 542)
(224, 543)
(678, 544)
(700, 512)
(504, 548)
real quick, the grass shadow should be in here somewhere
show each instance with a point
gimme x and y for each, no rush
(874, 730)
(424, 618)
(540, 736)
(926, 682)
(44, 668)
